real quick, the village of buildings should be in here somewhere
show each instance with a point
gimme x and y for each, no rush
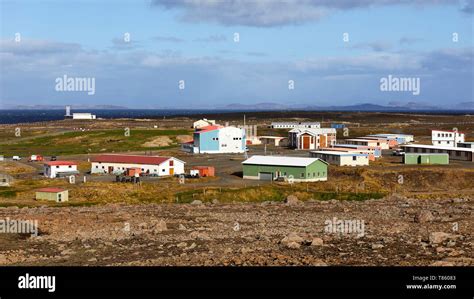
(310, 151)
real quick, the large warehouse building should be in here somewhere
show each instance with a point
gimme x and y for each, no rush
(149, 165)
(455, 153)
(298, 169)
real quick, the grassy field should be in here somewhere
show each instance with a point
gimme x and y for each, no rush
(93, 142)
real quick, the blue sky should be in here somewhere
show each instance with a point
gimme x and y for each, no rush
(299, 40)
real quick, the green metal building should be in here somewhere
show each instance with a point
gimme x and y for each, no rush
(295, 169)
(432, 158)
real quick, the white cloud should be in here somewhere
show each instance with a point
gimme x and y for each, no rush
(267, 13)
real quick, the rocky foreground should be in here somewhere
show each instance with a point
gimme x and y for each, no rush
(395, 231)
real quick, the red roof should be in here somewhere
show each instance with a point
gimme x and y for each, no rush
(51, 190)
(130, 159)
(208, 128)
(58, 163)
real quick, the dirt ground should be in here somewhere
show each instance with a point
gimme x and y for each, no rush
(396, 231)
(428, 222)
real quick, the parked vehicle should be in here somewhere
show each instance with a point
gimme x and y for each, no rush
(35, 158)
(398, 152)
(16, 158)
(53, 158)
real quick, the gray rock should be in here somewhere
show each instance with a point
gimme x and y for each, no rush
(317, 242)
(196, 202)
(292, 200)
(293, 245)
(377, 246)
(439, 237)
(424, 216)
(292, 238)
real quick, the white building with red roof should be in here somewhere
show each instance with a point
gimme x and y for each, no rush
(56, 169)
(149, 165)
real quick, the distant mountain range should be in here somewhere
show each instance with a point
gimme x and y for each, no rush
(355, 107)
(392, 106)
(62, 107)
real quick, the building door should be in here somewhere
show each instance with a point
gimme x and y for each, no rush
(323, 141)
(306, 142)
(59, 197)
(111, 169)
(171, 171)
(265, 176)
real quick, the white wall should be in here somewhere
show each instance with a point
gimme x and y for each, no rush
(51, 171)
(349, 161)
(161, 170)
(443, 138)
(229, 141)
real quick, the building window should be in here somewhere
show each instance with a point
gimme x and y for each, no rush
(162, 170)
(354, 158)
(171, 163)
(97, 166)
(302, 174)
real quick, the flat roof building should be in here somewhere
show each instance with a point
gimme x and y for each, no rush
(432, 158)
(455, 153)
(295, 125)
(401, 138)
(83, 116)
(342, 158)
(274, 140)
(446, 138)
(383, 144)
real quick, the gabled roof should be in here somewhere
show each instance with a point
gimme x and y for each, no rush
(60, 163)
(208, 129)
(282, 161)
(131, 159)
(313, 131)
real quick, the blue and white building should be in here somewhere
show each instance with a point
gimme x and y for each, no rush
(400, 138)
(217, 140)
